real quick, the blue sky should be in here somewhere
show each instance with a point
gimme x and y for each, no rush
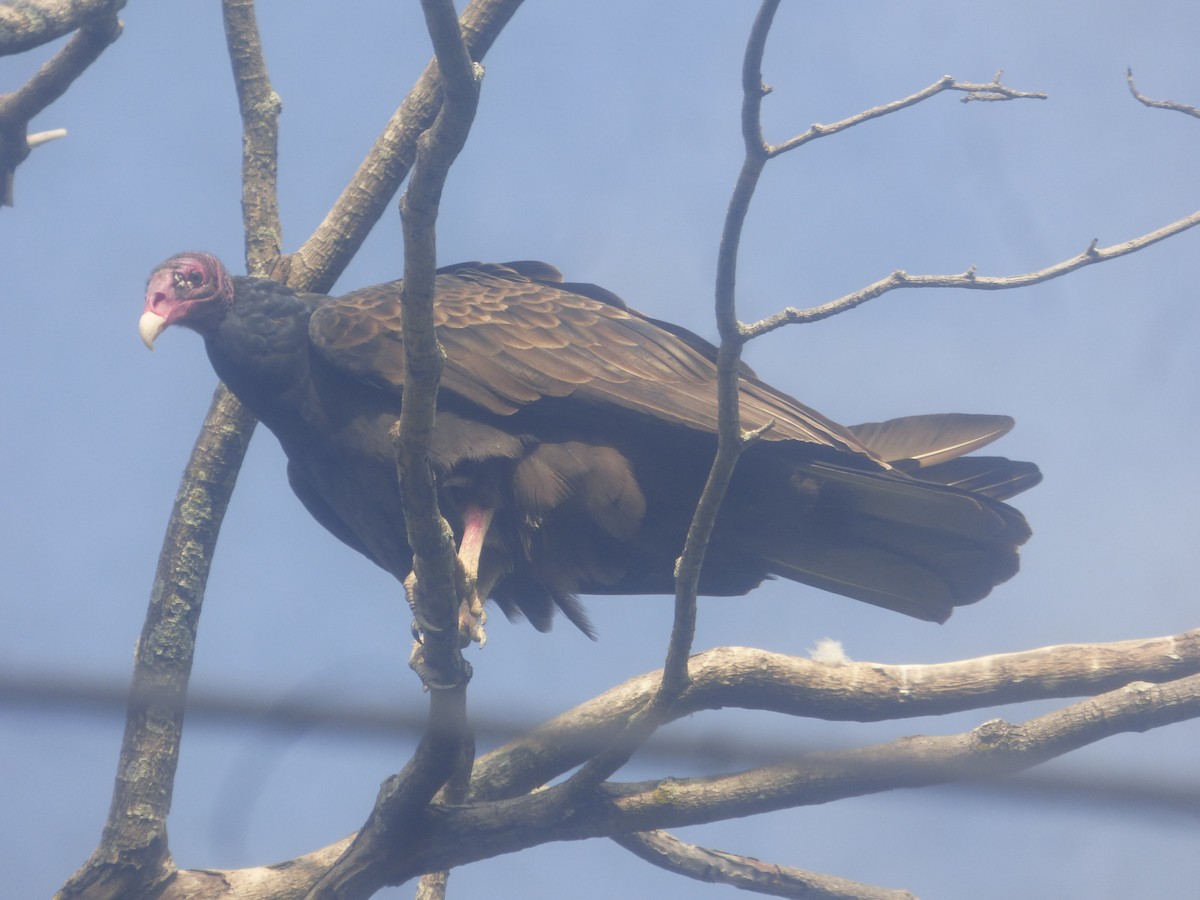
(607, 143)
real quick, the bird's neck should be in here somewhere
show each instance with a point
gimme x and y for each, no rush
(260, 349)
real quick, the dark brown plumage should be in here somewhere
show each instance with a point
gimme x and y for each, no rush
(574, 435)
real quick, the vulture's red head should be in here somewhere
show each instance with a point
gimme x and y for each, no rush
(191, 289)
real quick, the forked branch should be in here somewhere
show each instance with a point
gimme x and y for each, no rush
(98, 26)
(992, 91)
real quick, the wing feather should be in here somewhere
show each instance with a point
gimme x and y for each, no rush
(511, 340)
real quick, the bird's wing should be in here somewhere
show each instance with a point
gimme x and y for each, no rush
(513, 335)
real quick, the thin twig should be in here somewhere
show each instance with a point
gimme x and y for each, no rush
(643, 722)
(968, 279)
(990, 91)
(1159, 104)
(730, 441)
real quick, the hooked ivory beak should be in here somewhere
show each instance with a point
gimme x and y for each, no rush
(150, 326)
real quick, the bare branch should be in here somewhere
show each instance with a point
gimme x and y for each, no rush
(454, 836)
(160, 678)
(259, 106)
(992, 91)
(729, 430)
(1158, 104)
(435, 560)
(968, 279)
(747, 678)
(644, 721)
(24, 26)
(317, 264)
(746, 872)
(443, 837)
(993, 749)
(99, 27)
(447, 744)
(132, 856)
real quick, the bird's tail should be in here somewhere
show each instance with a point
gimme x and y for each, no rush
(922, 538)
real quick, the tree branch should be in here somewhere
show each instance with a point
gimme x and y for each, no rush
(968, 279)
(991, 91)
(31, 23)
(449, 837)
(447, 743)
(318, 263)
(1158, 104)
(98, 27)
(442, 837)
(435, 561)
(132, 857)
(644, 721)
(745, 872)
(746, 678)
(259, 106)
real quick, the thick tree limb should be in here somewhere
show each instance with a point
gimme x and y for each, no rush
(132, 858)
(25, 24)
(453, 836)
(165, 653)
(860, 692)
(443, 837)
(259, 106)
(746, 872)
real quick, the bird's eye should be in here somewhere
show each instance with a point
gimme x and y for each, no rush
(190, 279)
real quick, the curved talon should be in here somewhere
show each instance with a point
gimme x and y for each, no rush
(430, 679)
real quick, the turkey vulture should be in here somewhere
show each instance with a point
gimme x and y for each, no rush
(574, 435)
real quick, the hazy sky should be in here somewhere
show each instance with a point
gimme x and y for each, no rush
(607, 143)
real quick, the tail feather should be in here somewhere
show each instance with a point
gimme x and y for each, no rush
(989, 476)
(921, 539)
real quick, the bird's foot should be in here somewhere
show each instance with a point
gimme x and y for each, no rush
(471, 619)
(433, 679)
(471, 613)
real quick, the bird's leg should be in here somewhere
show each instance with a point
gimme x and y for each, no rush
(471, 615)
